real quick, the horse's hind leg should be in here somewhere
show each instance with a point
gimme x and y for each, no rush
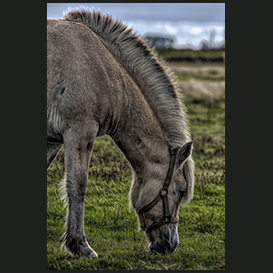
(77, 155)
(52, 151)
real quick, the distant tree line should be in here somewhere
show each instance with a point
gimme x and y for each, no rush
(209, 44)
(190, 55)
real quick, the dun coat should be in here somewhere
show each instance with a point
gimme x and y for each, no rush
(104, 79)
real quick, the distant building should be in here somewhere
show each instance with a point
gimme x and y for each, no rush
(160, 40)
(204, 44)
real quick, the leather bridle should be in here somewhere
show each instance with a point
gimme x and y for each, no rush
(162, 195)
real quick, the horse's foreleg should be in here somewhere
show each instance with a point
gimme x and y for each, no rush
(77, 156)
(52, 151)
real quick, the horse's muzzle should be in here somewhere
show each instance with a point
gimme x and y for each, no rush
(161, 246)
(168, 240)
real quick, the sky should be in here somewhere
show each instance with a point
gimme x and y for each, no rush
(190, 23)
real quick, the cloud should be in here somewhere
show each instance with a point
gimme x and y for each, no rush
(175, 12)
(189, 22)
(196, 30)
(171, 30)
(185, 32)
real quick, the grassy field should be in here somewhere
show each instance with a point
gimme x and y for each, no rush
(111, 228)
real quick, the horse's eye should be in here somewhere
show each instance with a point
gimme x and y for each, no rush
(181, 193)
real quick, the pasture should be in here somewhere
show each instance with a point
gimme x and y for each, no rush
(111, 228)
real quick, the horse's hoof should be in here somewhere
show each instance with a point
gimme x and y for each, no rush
(81, 249)
(92, 254)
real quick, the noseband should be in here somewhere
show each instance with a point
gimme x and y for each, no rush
(163, 194)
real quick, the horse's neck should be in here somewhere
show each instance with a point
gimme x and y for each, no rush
(140, 138)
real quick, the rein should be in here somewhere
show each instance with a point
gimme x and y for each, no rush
(162, 195)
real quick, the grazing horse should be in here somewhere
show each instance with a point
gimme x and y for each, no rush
(104, 79)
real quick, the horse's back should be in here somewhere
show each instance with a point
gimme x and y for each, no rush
(75, 54)
(72, 49)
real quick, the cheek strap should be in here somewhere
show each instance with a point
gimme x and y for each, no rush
(162, 195)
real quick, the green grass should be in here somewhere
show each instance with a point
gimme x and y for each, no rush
(111, 228)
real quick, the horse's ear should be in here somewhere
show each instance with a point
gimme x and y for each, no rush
(184, 153)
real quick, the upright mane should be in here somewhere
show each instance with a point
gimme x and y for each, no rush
(142, 63)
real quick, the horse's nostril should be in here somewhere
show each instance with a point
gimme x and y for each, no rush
(157, 247)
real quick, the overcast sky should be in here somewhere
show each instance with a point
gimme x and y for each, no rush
(188, 22)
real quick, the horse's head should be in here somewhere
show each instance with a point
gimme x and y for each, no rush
(156, 200)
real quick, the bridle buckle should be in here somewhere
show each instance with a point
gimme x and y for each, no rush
(167, 219)
(163, 192)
